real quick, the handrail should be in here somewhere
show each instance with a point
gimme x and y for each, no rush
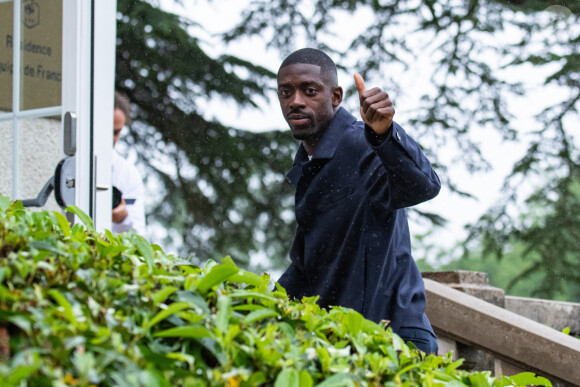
(508, 336)
(556, 314)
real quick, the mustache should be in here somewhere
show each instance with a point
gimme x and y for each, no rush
(297, 112)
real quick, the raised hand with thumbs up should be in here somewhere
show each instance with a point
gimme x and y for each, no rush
(376, 109)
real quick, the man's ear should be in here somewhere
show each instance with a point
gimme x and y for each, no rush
(336, 94)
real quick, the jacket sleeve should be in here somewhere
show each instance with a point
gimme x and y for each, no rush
(294, 282)
(410, 179)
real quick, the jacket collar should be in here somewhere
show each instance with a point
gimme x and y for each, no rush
(326, 146)
(329, 142)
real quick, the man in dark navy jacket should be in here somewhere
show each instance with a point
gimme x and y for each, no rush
(353, 180)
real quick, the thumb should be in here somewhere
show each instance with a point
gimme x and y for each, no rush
(359, 83)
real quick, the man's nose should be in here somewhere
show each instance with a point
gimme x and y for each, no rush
(297, 100)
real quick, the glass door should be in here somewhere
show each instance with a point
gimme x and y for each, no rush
(30, 96)
(56, 103)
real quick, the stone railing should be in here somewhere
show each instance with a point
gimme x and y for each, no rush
(555, 314)
(469, 318)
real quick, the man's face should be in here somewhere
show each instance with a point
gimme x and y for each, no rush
(308, 100)
(119, 120)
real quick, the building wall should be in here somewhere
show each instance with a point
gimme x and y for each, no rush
(40, 150)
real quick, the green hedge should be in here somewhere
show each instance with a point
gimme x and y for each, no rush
(80, 308)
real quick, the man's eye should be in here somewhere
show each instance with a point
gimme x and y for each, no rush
(284, 92)
(310, 91)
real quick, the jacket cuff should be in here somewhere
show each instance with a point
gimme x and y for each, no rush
(375, 139)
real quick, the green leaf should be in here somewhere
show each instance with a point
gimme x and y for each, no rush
(153, 378)
(44, 245)
(478, 380)
(108, 250)
(63, 223)
(193, 299)
(247, 307)
(63, 302)
(247, 294)
(183, 357)
(215, 348)
(23, 372)
(249, 278)
(145, 249)
(188, 331)
(217, 275)
(227, 260)
(161, 295)
(190, 316)
(338, 380)
(109, 235)
(352, 322)
(324, 358)
(88, 222)
(85, 364)
(223, 314)
(259, 314)
(173, 308)
(305, 379)
(22, 322)
(189, 283)
(287, 329)
(453, 366)
(156, 247)
(530, 379)
(443, 376)
(257, 379)
(4, 203)
(288, 377)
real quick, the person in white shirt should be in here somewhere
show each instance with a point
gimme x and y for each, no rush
(128, 196)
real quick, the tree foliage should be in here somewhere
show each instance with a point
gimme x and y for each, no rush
(470, 93)
(222, 190)
(545, 236)
(477, 49)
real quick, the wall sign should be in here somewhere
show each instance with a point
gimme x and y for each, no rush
(40, 50)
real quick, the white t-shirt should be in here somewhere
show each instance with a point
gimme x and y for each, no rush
(126, 177)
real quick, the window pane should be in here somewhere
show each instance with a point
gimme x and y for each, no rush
(41, 53)
(6, 145)
(6, 43)
(39, 152)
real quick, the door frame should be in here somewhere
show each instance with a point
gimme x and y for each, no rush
(89, 38)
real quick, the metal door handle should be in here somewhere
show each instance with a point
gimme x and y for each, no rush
(63, 184)
(42, 195)
(70, 134)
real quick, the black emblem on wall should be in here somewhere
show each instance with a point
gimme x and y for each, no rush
(30, 14)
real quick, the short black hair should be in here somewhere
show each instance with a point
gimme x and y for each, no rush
(122, 103)
(314, 57)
